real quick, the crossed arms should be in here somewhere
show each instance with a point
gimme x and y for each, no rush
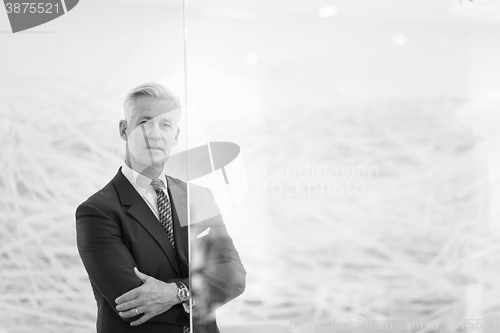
(128, 269)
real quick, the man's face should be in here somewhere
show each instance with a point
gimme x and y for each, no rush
(151, 132)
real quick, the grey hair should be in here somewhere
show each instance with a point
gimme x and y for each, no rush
(151, 89)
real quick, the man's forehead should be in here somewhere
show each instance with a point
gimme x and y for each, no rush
(161, 114)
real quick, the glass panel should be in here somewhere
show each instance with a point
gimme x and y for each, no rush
(367, 130)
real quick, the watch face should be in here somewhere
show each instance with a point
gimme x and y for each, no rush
(183, 295)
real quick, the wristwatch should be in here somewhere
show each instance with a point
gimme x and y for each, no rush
(182, 292)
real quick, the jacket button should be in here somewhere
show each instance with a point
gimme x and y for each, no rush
(182, 320)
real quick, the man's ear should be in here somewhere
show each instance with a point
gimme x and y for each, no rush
(123, 129)
(177, 136)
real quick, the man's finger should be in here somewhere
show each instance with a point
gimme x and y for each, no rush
(141, 275)
(129, 305)
(131, 313)
(129, 295)
(142, 320)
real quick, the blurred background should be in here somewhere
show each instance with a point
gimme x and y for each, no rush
(368, 131)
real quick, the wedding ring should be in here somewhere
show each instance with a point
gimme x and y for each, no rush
(136, 311)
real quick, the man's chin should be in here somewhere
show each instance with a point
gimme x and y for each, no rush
(149, 164)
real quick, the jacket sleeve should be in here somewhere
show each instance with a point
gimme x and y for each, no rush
(217, 275)
(105, 256)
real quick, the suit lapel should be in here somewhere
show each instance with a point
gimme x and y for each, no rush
(178, 196)
(179, 212)
(140, 210)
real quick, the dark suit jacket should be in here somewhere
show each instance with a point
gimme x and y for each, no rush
(117, 231)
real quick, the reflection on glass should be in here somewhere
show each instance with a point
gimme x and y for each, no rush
(368, 130)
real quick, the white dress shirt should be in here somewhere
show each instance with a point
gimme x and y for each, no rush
(142, 185)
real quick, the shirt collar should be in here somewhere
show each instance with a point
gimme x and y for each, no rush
(140, 182)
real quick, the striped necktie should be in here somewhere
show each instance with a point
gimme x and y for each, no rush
(164, 211)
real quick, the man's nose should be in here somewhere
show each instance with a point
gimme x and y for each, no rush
(154, 132)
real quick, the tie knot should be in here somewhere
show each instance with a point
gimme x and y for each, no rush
(157, 185)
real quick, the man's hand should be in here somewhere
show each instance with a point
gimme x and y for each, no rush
(150, 299)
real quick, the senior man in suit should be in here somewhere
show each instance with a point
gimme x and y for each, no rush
(132, 235)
